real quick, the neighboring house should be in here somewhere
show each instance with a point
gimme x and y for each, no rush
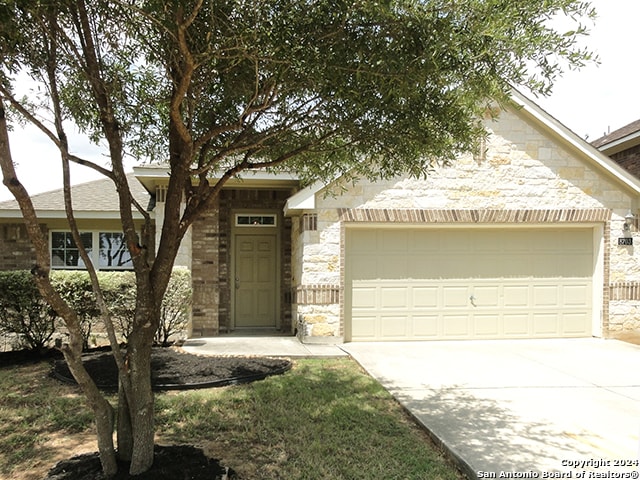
(532, 238)
(623, 146)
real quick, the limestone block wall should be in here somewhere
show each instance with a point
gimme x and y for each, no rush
(522, 172)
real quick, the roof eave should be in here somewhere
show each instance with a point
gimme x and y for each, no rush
(80, 215)
(151, 176)
(620, 144)
(303, 200)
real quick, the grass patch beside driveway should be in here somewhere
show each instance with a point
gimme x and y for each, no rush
(323, 419)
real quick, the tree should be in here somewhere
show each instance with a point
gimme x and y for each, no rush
(218, 87)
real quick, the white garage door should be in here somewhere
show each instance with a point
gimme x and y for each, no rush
(421, 284)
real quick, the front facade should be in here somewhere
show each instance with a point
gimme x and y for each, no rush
(534, 238)
(531, 238)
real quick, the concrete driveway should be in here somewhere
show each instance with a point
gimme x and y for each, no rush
(526, 406)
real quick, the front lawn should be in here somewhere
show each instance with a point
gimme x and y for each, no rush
(323, 419)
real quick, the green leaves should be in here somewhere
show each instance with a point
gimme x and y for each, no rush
(314, 86)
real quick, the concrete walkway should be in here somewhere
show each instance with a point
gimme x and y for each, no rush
(272, 346)
(527, 406)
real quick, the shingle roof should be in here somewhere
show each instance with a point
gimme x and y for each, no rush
(95, 196)
(629, 129)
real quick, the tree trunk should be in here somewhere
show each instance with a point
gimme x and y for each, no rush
(103, 411)
(136, 426)
(124, 433)
(141, 407)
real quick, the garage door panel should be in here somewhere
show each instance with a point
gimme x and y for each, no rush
(365, 326)
(575, 265)
(576, 295)
(515, 296)
(394, 298)
(394, 326)
(545, 324)
(393, 267)
(456, 325)
(545, 295)
(424, 297)
(425, 326)
(425, 242)
(424, 267)
(455, 296)
(366, 270)
(394, 240)
(364, 241)
(486, 296)
(457, 268)
(486, 325)
(405, 284)
(574, 323)
(578, 241)
(365, 298)
(516, 325)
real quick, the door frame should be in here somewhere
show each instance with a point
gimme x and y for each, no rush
(274, 230)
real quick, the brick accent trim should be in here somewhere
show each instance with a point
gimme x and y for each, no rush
(624, 291)
(316, 294)
(396, 215)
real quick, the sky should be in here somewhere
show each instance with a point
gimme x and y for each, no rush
(591, 102)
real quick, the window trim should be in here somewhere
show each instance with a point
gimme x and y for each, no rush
(256, 225)
(94, 253)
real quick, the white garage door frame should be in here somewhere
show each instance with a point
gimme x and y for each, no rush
(598, 257)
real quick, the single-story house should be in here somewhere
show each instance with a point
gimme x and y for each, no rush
(531, 238)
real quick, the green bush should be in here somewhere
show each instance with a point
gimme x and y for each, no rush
(23, 312)
(119, 289)
(176, 305)
(74, 286)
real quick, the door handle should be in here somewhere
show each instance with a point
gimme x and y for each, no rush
(472, 299)
(237, 283)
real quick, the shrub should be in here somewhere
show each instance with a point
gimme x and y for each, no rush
(75, 287)
(176, 304)
(119, 289)
(23, 312)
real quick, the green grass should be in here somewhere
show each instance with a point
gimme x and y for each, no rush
(323, 419)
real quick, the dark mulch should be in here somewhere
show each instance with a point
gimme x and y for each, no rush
(175, 370)
(170, 463)
(171, 369)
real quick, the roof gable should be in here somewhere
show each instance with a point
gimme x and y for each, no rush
(548, 127)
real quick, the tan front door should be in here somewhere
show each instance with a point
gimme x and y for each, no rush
(255, 280)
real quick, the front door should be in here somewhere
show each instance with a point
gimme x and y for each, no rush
(255, 280)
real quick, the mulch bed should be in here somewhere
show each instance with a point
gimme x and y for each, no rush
(175, 370)
(175, 462)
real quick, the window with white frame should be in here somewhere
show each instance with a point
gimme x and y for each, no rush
(255, 220)
(108, 250)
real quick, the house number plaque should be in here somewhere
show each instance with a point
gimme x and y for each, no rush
(625, 241)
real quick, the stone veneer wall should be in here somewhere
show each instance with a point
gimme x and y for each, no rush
(523, 177)
(211, 264)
